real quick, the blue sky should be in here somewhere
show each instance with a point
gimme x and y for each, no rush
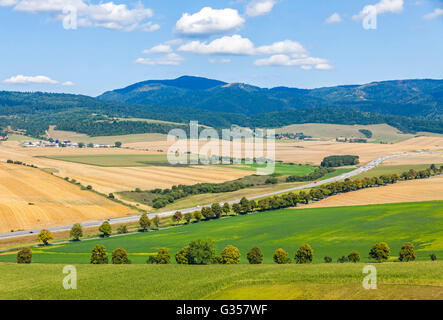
(297, 43)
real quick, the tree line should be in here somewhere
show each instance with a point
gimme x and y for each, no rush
(340, 161)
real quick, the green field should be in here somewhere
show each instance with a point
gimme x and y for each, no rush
(415, 280)
(331, 232)
(388, 169)
(117, 160)
(285, 169)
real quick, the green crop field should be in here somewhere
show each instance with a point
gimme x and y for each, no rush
(414, 280)
(117, 160)
(331, 232)
(285, 169)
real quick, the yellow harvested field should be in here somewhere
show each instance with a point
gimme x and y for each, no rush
(31, 199)
(114, 179)
(406, 191)
(314, 151)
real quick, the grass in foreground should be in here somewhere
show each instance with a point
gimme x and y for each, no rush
(415, 280)
(332, 232)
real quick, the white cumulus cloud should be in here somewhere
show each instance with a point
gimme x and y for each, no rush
(21, 79)
(102, 14)
(230, 45)
(383, 6)
(209, 21)
(171, 59)
(68, 84)
(306, 63)
(257, 8)
(435, 14)
(334, 18)
(161, 48)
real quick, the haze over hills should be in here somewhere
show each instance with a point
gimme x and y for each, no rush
(411, 98)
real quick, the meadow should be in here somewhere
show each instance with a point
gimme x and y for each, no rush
(332, 232)
(414, 280)
(286, 169)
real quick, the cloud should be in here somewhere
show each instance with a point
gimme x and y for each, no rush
(219, 60)
(104, 14)
(306, 63)
(209, 21)
(231, 45)
(287, 46)
(171, 59)
(21, 79)
(161, 48)
(384, 6)
(68, 84)
(435, 14)
(257, 8)
(334, 18)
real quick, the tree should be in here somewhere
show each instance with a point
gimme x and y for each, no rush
(81, 145)
(281, 257)
(354, 257)
(182, 257)
(122, 229)
(245, 206)
(24, 256)
(188, 217)
(328, 259)
(90, 145)
(163, 256)
(99, 255)
(76, 232)
(236, 208)
(226, 208)
(156, 222)
(118, 144)
(407, 252)
(230, 255)
(207, 213)
(45, 236)
(144, 222)
(216, 210)
(105, 229)
(304, 254)
(111, 196)
(198, 216)
(120, 256)
(255, 256)
(177, 217)
(433, 257)
(380, 252)
(201, 252)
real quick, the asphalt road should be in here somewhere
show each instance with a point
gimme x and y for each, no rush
(350, 174)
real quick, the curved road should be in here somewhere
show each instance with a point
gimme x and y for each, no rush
(353, 173)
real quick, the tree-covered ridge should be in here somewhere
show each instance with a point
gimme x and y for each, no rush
(35, 112)
(411, 98)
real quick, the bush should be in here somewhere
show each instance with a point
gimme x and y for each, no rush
(76, 232)
(122, 229)
(201, 252)
(182, 257)
(152, 260)
(144, 222)
(255, 256)
(380, 252)
(99, 255)
(163, 256)
(188, 217)
(105, 229)
(304, 254)
(281, 257)
(354, 257)
(433, 257)
(24, 256)
(230, 255)
(198, 216)
(45, 236)
(120, 256)
(327, 259)
(342, 259)
(407, 253)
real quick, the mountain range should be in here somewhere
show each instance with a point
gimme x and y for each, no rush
(410, 98)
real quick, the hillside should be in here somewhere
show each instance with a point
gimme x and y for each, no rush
(411, 98)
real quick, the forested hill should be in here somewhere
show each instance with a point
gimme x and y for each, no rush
(411, 98)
